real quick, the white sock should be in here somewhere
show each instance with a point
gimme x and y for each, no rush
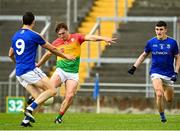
(25, 121)
(29, 108)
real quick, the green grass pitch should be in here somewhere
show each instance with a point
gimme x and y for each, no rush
(92, 121)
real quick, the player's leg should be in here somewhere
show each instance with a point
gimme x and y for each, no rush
(41, 81)
(169, 95)
(34, 91)
(48, 91)
(34, 94)
(158, 87)
(71, 87)
(55, 80)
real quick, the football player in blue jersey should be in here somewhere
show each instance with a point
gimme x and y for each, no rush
(23, 52)
(164, 50)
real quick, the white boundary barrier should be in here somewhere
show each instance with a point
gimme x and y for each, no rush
(120, 60)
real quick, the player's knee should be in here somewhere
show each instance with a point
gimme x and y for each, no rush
(70, 96)
(159, 93)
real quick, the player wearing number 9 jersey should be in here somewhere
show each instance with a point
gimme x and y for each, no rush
(25, 43)
(23, 52)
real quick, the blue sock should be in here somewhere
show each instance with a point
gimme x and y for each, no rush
(32, 106)
(162, 115)
(27, 118)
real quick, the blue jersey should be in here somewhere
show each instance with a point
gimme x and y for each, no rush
(163, 53)
(24, 44)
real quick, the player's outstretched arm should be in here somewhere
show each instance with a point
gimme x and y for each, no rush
(53, 49)
(11, 54)
(138, 62)
(108, 40)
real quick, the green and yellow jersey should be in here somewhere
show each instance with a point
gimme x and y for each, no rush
(72, 46)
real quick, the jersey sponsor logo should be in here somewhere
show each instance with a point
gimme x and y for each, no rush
(159, 53)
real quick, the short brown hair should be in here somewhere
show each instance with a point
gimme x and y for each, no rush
(161, 23)
(59, 26)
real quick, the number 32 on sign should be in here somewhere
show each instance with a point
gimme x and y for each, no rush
(15, 104)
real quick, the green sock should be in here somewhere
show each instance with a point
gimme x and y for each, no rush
(60, 115)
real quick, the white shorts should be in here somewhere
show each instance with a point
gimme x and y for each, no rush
(31, 77)
(166, 80)
(67, 75)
